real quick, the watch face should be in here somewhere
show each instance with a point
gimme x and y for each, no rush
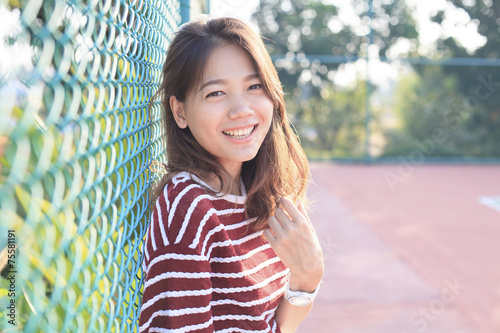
(300, 301)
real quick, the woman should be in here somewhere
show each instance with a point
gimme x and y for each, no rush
(230, 247)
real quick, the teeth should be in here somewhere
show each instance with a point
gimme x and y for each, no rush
(240, 133)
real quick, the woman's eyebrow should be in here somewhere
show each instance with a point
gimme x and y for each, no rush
(222, 81)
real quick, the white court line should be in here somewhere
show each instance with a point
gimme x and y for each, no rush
(490, 201)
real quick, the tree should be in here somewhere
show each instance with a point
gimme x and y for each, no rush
(311, 27)
(332, 125)
(329, 119)
(479, 85)
(433, 119)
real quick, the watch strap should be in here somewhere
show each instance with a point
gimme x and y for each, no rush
(300, 298)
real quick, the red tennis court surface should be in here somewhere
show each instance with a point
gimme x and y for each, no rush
(407, 249)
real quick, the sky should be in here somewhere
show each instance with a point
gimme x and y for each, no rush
(242, 9)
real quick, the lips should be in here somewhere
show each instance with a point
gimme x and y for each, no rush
(240, 133)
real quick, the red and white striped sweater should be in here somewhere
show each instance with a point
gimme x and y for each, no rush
(206, 271)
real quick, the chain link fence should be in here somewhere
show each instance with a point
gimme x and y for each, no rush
(76, 145)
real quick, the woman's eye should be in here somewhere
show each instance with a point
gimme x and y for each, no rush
(215, 94)
(255, 86)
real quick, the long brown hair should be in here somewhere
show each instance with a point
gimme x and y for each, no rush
(280, 167)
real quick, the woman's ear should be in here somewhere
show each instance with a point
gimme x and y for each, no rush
(178, 111)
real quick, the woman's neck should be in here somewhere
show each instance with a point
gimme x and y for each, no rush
(231, 186)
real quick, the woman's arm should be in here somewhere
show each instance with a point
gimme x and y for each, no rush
(177, 291)
(293, 238)
(289, 316)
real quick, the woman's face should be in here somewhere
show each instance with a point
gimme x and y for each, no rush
(230, 114)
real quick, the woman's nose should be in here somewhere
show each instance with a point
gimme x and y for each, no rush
(240, 108)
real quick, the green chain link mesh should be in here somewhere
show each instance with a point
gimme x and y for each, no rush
(76, 147)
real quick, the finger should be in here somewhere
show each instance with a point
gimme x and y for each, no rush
(292, 210)
(269, 236)
(283, 218)
(302, 209)
(275, 226)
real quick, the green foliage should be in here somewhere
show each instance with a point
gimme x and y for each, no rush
(331, 125)
(479, 85)
(436, 119)
(313, 27)
(331, 120)
(453, 108)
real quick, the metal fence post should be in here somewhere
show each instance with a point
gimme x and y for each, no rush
(368, 92)
(185, 11)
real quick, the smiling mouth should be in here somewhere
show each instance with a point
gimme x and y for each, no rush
(240, 133)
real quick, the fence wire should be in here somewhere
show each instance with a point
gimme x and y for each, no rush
(76, 144)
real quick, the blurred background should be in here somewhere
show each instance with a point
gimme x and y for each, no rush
(397, 104)
(378, 79)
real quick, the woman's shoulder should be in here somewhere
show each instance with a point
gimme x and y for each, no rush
(180, 195)
(185, 184)
(186, 214)
(190, 187)
(181, 211)
(185, 198)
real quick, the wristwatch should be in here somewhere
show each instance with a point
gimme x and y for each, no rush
(300, 298)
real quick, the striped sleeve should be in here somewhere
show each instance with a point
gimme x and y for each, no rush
(177, 292)
(178, 287)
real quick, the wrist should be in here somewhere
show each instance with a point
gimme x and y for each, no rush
(308, 285)
(301, 298)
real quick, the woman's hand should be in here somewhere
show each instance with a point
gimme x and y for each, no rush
(293, 238)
